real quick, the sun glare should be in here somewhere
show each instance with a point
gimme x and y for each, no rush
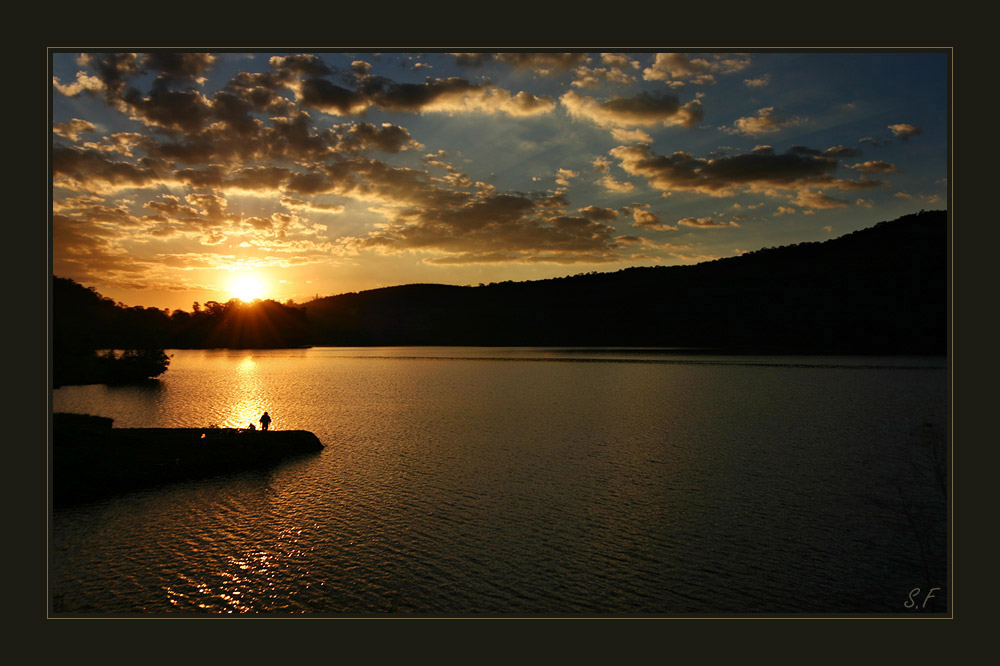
(246, 288)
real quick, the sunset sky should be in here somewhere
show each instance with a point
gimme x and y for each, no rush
(182, 177)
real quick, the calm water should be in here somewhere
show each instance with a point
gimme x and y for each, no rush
(524, 481)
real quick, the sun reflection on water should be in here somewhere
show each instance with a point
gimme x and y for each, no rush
(255, 581)
(248, 404)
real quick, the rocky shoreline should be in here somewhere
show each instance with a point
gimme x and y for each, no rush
(90, 459)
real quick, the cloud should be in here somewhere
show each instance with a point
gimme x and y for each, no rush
(610, 184)
(643, 218)
(362, 66)
(841, 151)
(84, 83)
(453, 177)
(386, 137)
(493, 228)
(171, 110)
(452, 95)
(644, 110)
(599, 214)
(904, 131)
(312, 206)
(178, 66)
(765, 122)
(330, 98)
(811, 199)
(198, 210)
(759, 82)
(677, 68)
(309, 65)
(92, 171)
(73, 129)
(112, 70)
(543, 63)
(174, 105)
(631, 136)
(616, 71)
(874, 166)
(760, 170)
(164, 106)
(874, 142)
(563, 176)
(706, 223)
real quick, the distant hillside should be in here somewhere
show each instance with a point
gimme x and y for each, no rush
(877, 290)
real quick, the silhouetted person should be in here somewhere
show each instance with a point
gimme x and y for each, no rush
(252, 427)
(265, 421)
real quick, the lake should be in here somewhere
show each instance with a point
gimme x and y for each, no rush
(528, 481)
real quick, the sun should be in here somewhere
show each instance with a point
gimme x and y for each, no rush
(247, 288)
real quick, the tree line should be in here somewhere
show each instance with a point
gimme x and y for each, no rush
(87, 328)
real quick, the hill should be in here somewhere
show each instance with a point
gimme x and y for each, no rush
(877, 290)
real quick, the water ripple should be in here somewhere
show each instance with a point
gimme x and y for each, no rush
(465, 485)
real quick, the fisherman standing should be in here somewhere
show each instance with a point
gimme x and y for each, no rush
(265, 421)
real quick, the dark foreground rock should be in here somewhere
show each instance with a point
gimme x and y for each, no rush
(91, 460)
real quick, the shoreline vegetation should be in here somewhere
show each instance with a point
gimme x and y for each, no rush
(92, 460)
(881, 290)
(111, 366)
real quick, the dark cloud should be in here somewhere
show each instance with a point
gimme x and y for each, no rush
(309, 183)
(599, 214)
(167, 109)
(387, 138)
(208, 177)
(308, 65)
(116, 69)
(759, 169)
(91, 170)
(178, 66)
(413, 97)
(198, 211)
(113, 69)
(259, 179)
(493, 228)
(237, 112)
(328, 97)
(644, 109)
(377, 181)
